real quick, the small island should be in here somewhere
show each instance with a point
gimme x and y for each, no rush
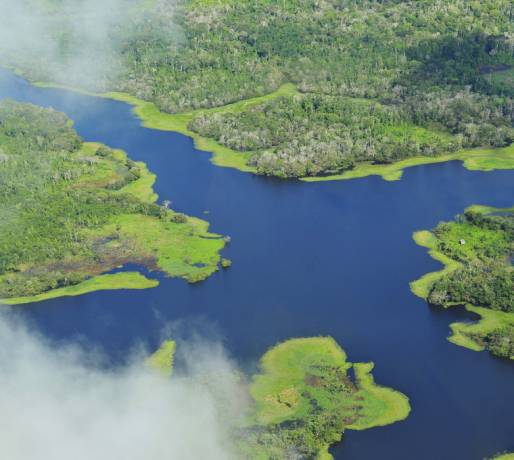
(162, 359)
(476, 250)
(73, 213)
(305, 399)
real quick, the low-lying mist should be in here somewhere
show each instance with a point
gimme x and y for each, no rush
(60, 403)
(78, 42)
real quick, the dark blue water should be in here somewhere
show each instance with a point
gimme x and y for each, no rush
(330, 258)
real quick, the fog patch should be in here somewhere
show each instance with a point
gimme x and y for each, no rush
(78, 42)
(59, 402)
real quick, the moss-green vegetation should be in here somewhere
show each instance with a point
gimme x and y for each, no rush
(506, 456)
(122, 280)
(304, 400)
(422, 286)
(377, 82)
(475, 160)
(162, 359)
(72, 211)
(476, 250)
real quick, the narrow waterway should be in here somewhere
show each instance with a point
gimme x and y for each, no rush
(329, 258)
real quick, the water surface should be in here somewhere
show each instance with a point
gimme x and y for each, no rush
(331, 258)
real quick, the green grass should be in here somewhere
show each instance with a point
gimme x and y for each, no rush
(123, 280)
(463, 333)
(421, 287)
(305, 380)
(508, 456)
(162, 359)
(185, 250)
(381, 405)
(474, 159)
(277, 390)
(106, 172)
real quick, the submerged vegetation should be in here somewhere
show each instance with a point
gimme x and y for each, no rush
(72, 211)
(477, 251)
(305, 399)
(375, 82)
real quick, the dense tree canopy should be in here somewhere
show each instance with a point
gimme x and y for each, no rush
(380, 80)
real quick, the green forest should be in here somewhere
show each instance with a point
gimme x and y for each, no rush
(73, 210)
(477, 249)
(377, 81)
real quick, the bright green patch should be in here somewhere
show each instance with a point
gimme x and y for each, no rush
(122, 280)
(507, 456)
(162, 359)
(186, 250)
(381, 405)
(421, 287)
(304, 400)
(469, 335)
(475, 160)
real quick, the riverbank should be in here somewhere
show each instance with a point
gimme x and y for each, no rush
(491, 331)
(480, 159)
(151, 117)
(122, 280)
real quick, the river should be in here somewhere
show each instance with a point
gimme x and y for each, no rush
(331, 258)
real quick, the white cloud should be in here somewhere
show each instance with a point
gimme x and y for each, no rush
(57, 403)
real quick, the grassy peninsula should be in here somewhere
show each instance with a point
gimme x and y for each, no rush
(73, 211)
(476, 251)
(162, 359)
(302, 88)
(305, 399)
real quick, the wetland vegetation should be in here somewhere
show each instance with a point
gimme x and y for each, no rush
(305, 398)
(72, 211)
(476, 250)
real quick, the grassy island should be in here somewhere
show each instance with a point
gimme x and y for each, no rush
(299, 89)
(72, 212)
(305, 399)
(162, 359)
(507, 456)
(476, 251)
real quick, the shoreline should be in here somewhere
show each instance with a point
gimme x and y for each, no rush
(115, 281)
(461, 332)
(477, 159)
